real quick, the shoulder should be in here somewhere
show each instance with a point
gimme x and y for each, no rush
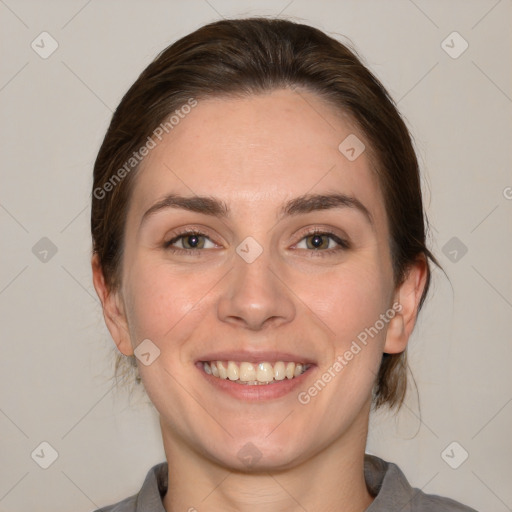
(434, 503)
(149, 497)
(127, 505)
(392, 491)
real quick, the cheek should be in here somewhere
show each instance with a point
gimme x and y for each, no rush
(350, 303)
(350, 299)
(159, 299)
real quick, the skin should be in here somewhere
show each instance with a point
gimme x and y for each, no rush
(255, 154)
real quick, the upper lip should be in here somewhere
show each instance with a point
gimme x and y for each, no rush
(254, 356)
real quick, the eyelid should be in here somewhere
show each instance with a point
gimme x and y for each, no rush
(180, 238)
(340, 238)
(179, 234)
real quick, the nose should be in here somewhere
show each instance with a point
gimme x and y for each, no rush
(255, 296)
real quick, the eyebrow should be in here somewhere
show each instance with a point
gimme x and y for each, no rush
(314, 202)
(199, 204)
(306, 203)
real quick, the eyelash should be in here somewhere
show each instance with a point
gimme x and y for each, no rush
(342, 243)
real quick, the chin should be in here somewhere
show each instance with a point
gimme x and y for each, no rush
(257, 453)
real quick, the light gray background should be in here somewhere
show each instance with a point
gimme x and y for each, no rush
(56, 354)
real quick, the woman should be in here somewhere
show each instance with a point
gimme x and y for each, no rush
(259, 251)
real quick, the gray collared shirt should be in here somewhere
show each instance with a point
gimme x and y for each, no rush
(384, 479)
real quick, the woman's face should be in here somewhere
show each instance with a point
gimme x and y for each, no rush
(253, 286)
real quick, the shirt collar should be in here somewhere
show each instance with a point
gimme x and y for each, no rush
(384, 479)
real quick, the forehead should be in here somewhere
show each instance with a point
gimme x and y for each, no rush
(257, 152)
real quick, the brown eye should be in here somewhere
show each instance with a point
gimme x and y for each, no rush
(189, 241)
(317, 241)
(193, 241)
(322, 242)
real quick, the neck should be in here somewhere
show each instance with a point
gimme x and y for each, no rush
(331, 480)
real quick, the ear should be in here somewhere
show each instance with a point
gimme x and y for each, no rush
(113, 310)
(406, 302)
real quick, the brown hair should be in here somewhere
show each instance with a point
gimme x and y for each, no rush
(251, 56)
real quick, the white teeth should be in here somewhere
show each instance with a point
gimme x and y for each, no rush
(279, 371)
(253, 374)
(265, 372)
(247, 372)
(223, 371)
(233, 372)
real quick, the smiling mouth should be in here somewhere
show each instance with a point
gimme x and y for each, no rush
(254, 374)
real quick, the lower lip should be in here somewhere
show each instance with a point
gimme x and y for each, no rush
(276, 389)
